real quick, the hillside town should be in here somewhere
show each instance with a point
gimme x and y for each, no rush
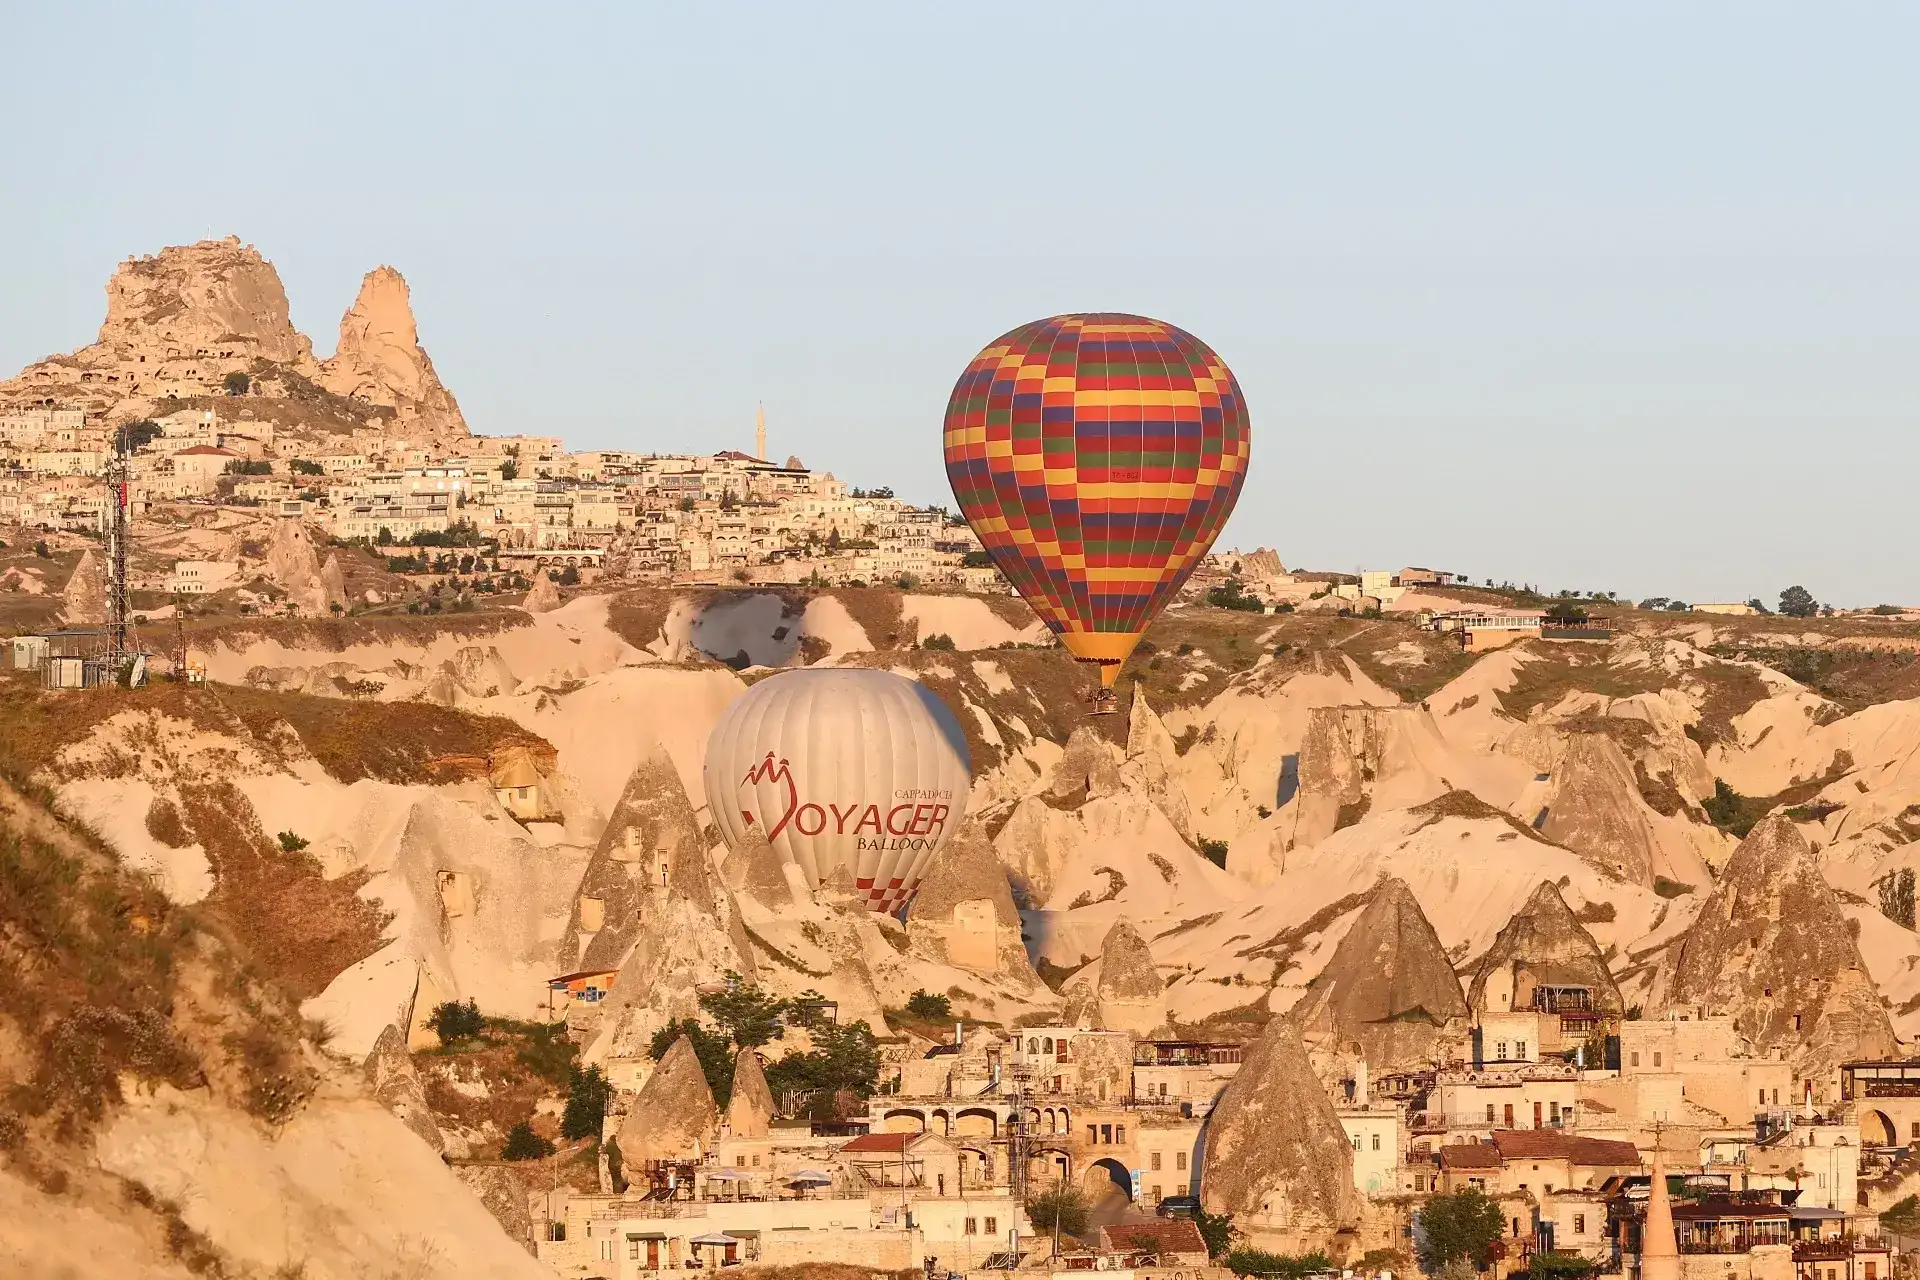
(531, 861)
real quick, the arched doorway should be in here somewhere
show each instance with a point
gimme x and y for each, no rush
(1876, 1130)
(1107, 1184)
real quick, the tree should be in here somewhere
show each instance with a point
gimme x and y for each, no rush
(976, 560)
(1244, 1261)
(304, 467)
(844, 1061)
(1216, 1229)
(1798, 602)
(1232, 594)
(727, 501)
(569, 576)
(40, 549)
(748, 1016)
(510, 470)
(386, 537)
(237, 383)
(1566, 612)
(1727, 809)
(1896, 896)
(938, 641)
(524, 1144)
(1059, 1205)
(1656, 602)
(587, 1095)
(1460, 1227)
(291, 842)
(933, 1008)
(453, 1021)
(833, 539)
(1753, 602)
(1561, 1266)
(136, 435)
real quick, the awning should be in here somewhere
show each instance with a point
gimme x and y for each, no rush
(714, 1237)
(646, 1235)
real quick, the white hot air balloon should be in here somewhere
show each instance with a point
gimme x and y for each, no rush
(841, 767)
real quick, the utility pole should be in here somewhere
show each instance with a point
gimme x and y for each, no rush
(119, 520)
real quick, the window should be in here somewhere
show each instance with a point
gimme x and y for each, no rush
(1579, 1224)
(1656, 1057)
(1501, 1051)
(1093, 1133)
(993, 1226)
(1155, 1190)
(1180, 1188)
(1520, 1049)
(756, 1162)
(1106, 1134)
(1153, 1161)
(1120, 1133)
(633, 1250)
(1633, 1059)
(739, 1162)
(1356, 1142)
(1763, 1097)
(1776, 1097)
(1163, 1088)
(1376, 1142)
(1489, 1113)
(972, 1228)
(1180, 1162)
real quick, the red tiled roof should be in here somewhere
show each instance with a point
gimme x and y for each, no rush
(1550, 1144)
(890, 1142)
(205, 449)
(1469, 1155)
(1178, 1235)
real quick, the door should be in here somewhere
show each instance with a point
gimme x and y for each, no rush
(653, 1255)
(1509, 1115)
(1536, 1115)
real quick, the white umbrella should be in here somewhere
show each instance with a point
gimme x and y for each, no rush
(714, 1237)
(726, 1175)
(810, 1178)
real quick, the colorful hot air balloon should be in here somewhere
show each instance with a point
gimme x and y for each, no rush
(1097, 456)
(841, 767)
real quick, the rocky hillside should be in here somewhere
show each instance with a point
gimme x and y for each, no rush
(180, 322)
(1337, 819)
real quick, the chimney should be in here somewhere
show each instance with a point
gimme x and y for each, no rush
(959, 1033)
(760, 432)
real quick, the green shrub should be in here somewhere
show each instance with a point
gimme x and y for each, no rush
(587, 1097)
(933, 1008)
(291, 843)
(1059, 1205)
(939, 641)
(453, 1021)
(524, 1144)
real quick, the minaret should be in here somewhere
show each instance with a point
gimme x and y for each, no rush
(760, 432)
(1659, 1253)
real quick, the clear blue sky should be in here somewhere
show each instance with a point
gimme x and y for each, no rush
(1602, 296)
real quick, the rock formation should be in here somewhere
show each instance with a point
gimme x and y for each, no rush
(177, 323)
(294, 564)
(397, 1086)
(963, 913)
(1276, 1156)
(756, 870)
(1353, 758)
(380, 361)
(84, 599)
(1772, 950)
(1595, 809)
(1389, 992)
(545, 595)
(750, 1106)
(1132, 997)
(675, 1117)
(1542, 945)
(1152, 765)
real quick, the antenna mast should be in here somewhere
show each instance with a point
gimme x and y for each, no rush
(119, 527)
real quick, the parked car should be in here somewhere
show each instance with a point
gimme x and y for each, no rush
(1179, 1206)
